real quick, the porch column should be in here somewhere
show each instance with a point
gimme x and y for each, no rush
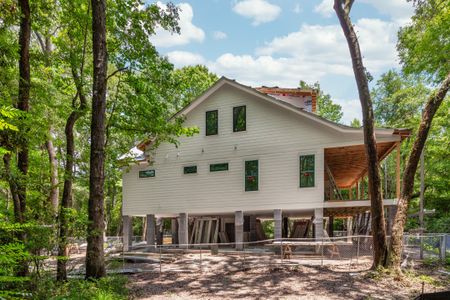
(318, 223)
(183, 235)
(150, 219)
(127, 232)
(277, 218)
(174, 230)
(239, 229)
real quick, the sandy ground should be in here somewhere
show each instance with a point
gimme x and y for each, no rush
(231, 276)
(233, 280)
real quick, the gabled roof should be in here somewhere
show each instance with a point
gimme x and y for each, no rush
(285, 105)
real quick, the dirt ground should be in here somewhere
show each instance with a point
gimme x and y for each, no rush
(288, 282)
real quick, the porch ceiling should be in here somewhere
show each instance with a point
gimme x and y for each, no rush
(348, 164)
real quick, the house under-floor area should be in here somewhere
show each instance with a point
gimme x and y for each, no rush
(345, 210)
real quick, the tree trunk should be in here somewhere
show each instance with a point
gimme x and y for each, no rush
(376, 200)
(95, 264)
(12, 188)
(24, 97)
(396, 246)
(66, 202)
(54, 181)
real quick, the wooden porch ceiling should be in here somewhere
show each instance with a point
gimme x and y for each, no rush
(348, 164)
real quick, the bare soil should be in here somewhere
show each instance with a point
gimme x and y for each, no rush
(287, 282)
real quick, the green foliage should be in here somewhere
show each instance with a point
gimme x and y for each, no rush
(424, 45)
(355, 123)
(190, 82)
(325, 106)
(110, 287)
(398, 102)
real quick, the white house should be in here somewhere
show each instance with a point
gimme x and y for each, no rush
(259, 153)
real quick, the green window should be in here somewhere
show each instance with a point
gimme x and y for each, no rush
(212, 122)
(307, 172)
(239, 119)
(146, 173)
(218, 167)
(251, 175)
(190, 169)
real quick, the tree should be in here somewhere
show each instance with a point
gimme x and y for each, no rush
(343, 8)
(95, 264)
(325, 106)
(191, 82)
(423, 48)
(355, 123)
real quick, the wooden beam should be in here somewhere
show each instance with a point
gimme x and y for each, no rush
(397, 172)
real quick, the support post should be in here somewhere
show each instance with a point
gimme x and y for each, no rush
(239, 229)
(318, 223)
(285, 232)
(349, 229)
(397, 172)
(330, 226)
(183, 228)
(127, 232)
(253, 236)
(174, 230)
(150, 219)
(277, 218)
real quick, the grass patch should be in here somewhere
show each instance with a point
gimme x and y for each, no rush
(107, 288)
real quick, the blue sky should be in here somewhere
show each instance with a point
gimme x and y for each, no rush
(270, 42)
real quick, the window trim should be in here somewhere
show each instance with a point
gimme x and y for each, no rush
(222, 163)
(235, 119)
(190, 166)
(206, 122)
(146, 177)
(258, 175)
(299, 169)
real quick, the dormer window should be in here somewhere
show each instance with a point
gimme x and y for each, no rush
(212, 122)
(239, 119)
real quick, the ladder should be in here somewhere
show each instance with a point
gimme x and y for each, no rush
(333, 183)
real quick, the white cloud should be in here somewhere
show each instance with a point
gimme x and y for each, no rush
(260, 11)
(325, 8)
(219, 35)
(184, 58)
(399, 11)
(297, 8)
(188, 31)
(326, 44)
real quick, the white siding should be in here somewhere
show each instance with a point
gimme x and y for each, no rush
(274, 136)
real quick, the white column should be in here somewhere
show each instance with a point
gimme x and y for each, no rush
(127, 232)
(239, 229)
(318, 222)
(150, 219)
(183, 227)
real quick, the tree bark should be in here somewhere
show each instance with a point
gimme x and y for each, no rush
(95, 264)
(433, 104)
(342, 9)
(54, 181)
(24, 97)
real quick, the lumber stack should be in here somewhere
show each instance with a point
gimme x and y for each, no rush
(300, 229)
(260, 234)
(205, 230)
